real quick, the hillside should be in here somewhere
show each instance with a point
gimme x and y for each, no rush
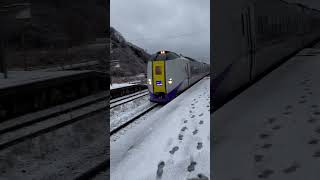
(132, 59)
(45, 33)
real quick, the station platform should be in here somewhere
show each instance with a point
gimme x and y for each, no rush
(28, 91)
(18, 78)
(272, 129)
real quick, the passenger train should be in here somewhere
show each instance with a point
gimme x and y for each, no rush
(169, 74)
(252, 37)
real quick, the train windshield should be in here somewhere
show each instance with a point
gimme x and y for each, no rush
(163, 56)
(158, 70)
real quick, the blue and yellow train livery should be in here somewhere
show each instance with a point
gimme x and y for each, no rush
(168, 74)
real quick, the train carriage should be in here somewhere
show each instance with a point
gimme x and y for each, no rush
(252, 37)
(169, 74)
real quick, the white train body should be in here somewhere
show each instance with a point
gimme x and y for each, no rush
(169, 74)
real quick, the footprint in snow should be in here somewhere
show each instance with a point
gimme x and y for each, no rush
(160, 169)
(195, 132)
(174, 149)
(193, 116)
(266, 173)
(271, 120)
(314, 106)
(313, 141)
(184, 128)
(302, 101)
(266, 146)
(316, 113)
(292, 168)
(191, 167)
(316, 154)
(287, 113)
(288, 107)
(180, 137)
(276, 127)
(258, 158)
(199, 146)
(201, 114)
(264, 136)
(200, 177)
(312, 120)
(201, 122)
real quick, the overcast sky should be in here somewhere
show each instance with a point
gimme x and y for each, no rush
(182, 26)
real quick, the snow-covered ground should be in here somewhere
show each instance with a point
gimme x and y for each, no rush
(172, 142)
(120, 114)
(272, 130)
(120, 85)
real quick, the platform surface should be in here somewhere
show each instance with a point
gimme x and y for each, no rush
(171, 142)
(272, 129)
(16, 78)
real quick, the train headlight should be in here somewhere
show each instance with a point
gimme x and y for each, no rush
(149, 81)
(170, 81)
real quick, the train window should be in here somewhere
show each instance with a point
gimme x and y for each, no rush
(161, 57)
(158, 70)
(171, 56)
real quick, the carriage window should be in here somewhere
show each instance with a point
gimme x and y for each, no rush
(158, 70)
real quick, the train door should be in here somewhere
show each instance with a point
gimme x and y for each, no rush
(249, 33)
(159, 79)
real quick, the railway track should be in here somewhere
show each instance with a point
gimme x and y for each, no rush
(118, 128)
(125, 99)
(102, 168)
(19, 129)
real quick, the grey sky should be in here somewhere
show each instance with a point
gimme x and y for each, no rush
(182, 26)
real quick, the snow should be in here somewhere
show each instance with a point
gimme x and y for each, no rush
(120, 114)
(137, 151)
(120, 85)
(271, 129)
(118, 36)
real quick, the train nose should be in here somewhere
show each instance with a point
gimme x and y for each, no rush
(159, 81)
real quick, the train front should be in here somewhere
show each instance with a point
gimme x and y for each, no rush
(157, 81)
